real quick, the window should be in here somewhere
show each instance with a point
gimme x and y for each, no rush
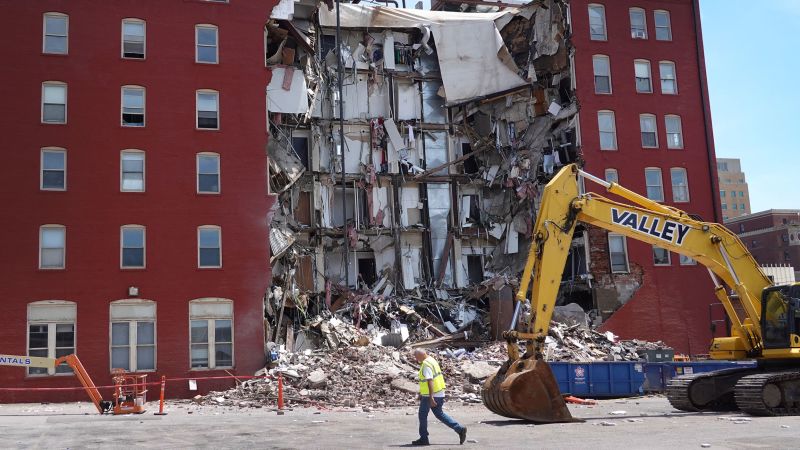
(208, 110)
(597, 22)
(722, 166)
(786, 256)
(642, 72)
(724, 206)
(735, 206)
(733, 193)
(132, 171)
(133, 335)
(647, 125)
(132, 242)
(56, 32)
(133, 38)
(206, 44)
(741, 228)
(208, 173)
(741, 193)
(52, 246)
(660, 256)
(132, 106)
(602, 74)
(618, 252)
(211, 333)
(655, 189)
(680, 185)
(612, 176)
(638, 23)
(741, 206)
(209, 248)
(674, 131)
(722, 194)
(54, 102)
(663, 28)
(51, 333)
(669, 82)
(54, 169)
(687, 261)
(608, 132)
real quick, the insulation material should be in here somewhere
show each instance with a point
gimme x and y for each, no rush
(291, 101)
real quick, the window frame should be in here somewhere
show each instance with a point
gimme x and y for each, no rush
(54, 83)
(51, 334)
(644, 21)
(649, 76)
(197, 109)
(669, 257)
(608, 75)
(601, 8)
(219, 173)
(668, 27)
(624, 251)
(44, 150)
(667, 119)
(684, 260)
(211, 329)
(122, 105)
(133, 344)
(144, 38)
(661, 183)
(132, 151)
(53, 226)
(614, 130)
(654, 120)
(672, 171)
(609, 171)
(197, 44)
(44, 32)
(219, 240)
(122, 247)
(674, 78)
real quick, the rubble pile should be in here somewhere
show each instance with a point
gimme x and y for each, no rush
(581, 344)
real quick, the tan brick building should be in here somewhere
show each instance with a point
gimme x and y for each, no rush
(733, 193)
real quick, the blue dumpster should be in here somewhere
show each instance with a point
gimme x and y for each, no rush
(658, 374)
(600, 379)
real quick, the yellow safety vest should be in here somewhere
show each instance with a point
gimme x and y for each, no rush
(438, 377)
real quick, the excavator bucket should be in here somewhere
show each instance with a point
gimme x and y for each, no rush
(526, 389)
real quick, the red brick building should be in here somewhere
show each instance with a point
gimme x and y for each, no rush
(772, 236)
(135, 190)
(645, 122)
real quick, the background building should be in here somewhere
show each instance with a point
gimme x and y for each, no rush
(772, 236)
(733, 193)
(135, 193)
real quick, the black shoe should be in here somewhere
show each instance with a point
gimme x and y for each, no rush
(421, 441)
(462, 436)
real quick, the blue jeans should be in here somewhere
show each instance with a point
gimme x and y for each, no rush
(425, 406)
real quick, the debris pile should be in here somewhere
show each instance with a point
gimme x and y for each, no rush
(580, 344)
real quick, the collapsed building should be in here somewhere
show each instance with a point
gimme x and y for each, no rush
(433, 189)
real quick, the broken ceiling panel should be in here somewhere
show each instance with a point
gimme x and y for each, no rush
(287, 91)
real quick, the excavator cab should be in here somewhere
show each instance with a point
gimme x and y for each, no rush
(781, 316)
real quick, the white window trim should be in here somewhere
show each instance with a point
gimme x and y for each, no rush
(672, 183)
(122, 248)
(41, 168)
(661, 180)
(611, 170)
(197, 44)
(122, 105)
(669, 26)
(132, 334)
(51, 334)
(211, 334)
(669, 257)
(122, 38)
(674, 77)
(625, 250)
(44, 32)
(197, 109)
(655, 131)
(605, 22)
(219, 173)
(66, 101)
(610, 83)
(644, 19)
(680, 131)
(649, 75)
(599, 131)
(64, 259)
(144, 170)
(219, 230)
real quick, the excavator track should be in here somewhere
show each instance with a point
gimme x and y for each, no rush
(710, 391)
(769, 394)
(678, 392)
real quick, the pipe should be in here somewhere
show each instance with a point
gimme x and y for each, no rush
(340, 76)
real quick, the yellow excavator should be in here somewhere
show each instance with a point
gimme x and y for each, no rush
(764, 319)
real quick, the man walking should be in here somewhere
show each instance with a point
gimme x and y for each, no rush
(431, 397)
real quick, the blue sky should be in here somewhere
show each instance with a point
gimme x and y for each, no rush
(752, 51)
